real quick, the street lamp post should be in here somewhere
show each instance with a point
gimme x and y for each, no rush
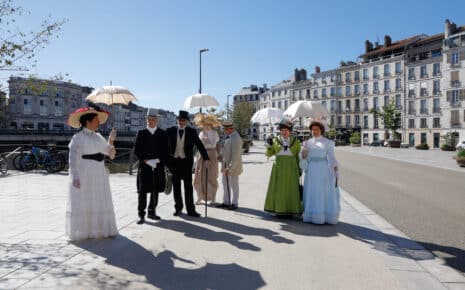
(227, 107)
(200, 71)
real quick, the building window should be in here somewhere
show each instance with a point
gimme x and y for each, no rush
(347, 105)
(411, 93)
(375, 88)
(398, 101)
(339, 120)
(423, 92)
(365, 74)
(315, 94)
(323, 93)
(333, 92)
(365, 89)
(436, 123)
(411, 123)
(375, 136)
(423, 73)
(365, 122)
(436, 87)
(339, 105)
(375, 103)
(436, 107)
(43, 107)
(423, 108)
(357, 120)
(398, 84)
(436, 69)
(348, 121)
(423, 138)
(455, 58)
(357, 76)
(423, 123)
(411, 73)
(411, 107)
(279, 105)
(27, 106)
(398, 68)
(386, 100)
(455, 96)
(286, 104)
(332, 105)
(273, 104)
(375, 122)
(375, 72)
(365, 104)
(347, 76)
(387, 86)
(347, 90)
(387, 71)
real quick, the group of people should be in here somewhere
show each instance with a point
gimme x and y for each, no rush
(90, 212)
(318, 198)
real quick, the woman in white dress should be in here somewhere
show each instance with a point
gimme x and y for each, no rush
(321, 194)
(89, 212)
(206, 172)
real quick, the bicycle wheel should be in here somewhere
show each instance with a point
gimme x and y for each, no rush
(16, 161)
(28, 162)
(56, 163)
(3, 164)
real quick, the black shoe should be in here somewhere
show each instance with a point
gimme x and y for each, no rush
(222, 205)
(141, 221)
(177, 213)
(194, 214)
(154, 217)
(233, 207)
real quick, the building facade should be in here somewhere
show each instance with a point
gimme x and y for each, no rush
(251, 95)
(42, 104)
(423, 76)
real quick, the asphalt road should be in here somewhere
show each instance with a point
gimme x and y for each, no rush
(426, 203)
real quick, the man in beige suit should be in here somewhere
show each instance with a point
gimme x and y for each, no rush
(231, 166)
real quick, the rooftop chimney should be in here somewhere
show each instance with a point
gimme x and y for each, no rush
(387, 40)
(368, 46)
(296, 75)
(317, 69)
(303, 75)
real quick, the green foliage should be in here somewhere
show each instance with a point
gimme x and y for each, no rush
(331, 134)
(422, 146)
(450, 140)
(461, 153)
(17, 45)
(355, 138)
(390, 118)
(241, 115)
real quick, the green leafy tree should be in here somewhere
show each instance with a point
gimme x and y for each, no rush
(355, 138)
(17, 45)
(332, 134)
(241, 115)
(390, 118)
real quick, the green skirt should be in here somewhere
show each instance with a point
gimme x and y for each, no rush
(283, 188)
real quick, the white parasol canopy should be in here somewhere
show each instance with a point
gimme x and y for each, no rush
(308, 109)
(111, 95)
(267, 116)
(200, 100)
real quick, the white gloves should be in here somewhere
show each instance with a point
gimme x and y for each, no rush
(112, 135)
(77, 183)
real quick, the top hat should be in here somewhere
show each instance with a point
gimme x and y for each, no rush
(183, 115)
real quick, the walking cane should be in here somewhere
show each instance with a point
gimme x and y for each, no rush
(206, 188)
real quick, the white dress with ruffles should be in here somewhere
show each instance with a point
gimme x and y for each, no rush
(89, 212)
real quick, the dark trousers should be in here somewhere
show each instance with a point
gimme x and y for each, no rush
(142, 205)
(183, 171)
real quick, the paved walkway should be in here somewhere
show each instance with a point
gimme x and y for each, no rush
(244, 249)
(432, 157)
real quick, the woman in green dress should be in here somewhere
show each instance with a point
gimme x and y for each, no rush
(283, 198)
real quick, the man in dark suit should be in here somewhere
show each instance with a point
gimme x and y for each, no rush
(151, 148)
(181, 140)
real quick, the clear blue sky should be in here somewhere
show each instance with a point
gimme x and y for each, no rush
(151, 47)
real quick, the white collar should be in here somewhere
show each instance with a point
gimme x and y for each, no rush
(88, 131)
(152, 130)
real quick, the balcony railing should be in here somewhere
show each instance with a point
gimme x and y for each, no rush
(455, 83)
(398, 89)
(436, 110)
(424, 111)
(411, 112)
(423, 76)
(455, 104)
(398, 72)
(436, 73)
(376, 76)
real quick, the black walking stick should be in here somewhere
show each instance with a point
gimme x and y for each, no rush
(206, 188)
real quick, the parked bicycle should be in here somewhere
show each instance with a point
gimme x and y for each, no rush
(37, 158)
(3, 164)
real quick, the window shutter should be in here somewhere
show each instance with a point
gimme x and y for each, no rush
(462, 55)
(454, 76)
(449, 95)
(454, 117)
(462, 95)
(449, 57)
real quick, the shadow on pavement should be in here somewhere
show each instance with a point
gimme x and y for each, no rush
(201, 233)
(387, 243)
(246, 230)
(159, 270)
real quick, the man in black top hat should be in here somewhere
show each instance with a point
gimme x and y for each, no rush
(151, 148)
(181, 140)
